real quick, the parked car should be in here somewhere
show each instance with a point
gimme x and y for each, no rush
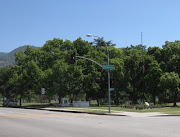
(9, 103)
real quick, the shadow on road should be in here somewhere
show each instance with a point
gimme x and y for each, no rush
(166, 115)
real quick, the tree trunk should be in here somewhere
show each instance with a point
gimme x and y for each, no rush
(59, 99)
(154, 98)
(4, 96)
(71, 100)
(49, 100)
(20, 101)
(117, 100)
(87, 97)
(98, 102)
(175, 97)
(134, 97)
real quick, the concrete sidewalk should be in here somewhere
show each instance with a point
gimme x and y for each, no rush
(113, 113)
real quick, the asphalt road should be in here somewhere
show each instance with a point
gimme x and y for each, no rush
(15, 122)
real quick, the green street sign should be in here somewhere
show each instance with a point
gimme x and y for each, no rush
(108, 66)
(111, 89)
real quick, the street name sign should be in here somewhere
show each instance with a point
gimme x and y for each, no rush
(108, 66)
(111, 89)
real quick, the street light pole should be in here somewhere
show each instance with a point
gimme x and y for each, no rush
(109, 93)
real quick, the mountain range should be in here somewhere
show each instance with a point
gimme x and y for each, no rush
(8, 59)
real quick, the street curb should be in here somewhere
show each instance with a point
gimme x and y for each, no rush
(105, 114)
(71, 111)
(75, 111)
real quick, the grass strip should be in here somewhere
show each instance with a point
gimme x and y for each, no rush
(165, 110)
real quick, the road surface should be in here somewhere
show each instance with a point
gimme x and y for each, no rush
(15, 122)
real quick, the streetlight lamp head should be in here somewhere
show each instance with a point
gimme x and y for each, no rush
(89, 35)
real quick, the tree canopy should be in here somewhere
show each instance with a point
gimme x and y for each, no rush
(140, 74)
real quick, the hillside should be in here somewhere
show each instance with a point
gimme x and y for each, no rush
(3, 54)
(8, 59)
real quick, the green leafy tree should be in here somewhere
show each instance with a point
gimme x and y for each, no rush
(170, 83)
(74, 78)
(101, 42)
(58, 78)
(133, 65)
(156, 52)
(82, 47)
(119, 81)
(153, 79)
(27, 75)
(50, 67)
(50, 53)
(26, 78)
(171, 57)
(6, 89)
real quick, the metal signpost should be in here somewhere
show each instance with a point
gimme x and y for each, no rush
(109, 67)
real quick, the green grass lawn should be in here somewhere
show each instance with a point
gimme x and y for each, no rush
(1, 103)
(165, 110)
(33, 104)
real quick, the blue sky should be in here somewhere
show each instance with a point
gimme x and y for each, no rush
(33, 22)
